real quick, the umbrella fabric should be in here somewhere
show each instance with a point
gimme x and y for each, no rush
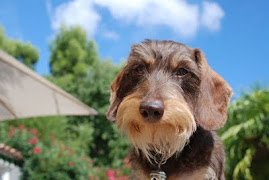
(23, 93)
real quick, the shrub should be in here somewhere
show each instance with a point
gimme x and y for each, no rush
(246, 137)
(45, 157)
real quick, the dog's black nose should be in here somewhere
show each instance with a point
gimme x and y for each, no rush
(151, 110)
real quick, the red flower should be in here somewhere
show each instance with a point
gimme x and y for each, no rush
(127, 161)
(21, 127)
(10, 134)
(71, 163)
(33, 141)
(110, 174)
(34, 131)
(36, 150)
(12, 129)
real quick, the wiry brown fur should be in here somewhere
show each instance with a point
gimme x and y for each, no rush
(182, 142)
(204, 151)
(176, 127)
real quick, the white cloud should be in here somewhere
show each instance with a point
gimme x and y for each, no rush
(76, 12)
(184, 18)
(176, 14)
(111, 35)
(211, 15)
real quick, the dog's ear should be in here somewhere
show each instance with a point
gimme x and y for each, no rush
(114, 100)
(213, 98)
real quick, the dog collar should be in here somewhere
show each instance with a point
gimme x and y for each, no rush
(157, 175)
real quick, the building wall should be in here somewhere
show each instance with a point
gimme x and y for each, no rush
(9, 171)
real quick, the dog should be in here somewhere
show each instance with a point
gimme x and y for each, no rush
(169, 102)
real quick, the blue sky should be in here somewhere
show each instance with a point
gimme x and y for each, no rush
(234, 35)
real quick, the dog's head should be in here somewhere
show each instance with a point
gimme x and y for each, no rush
(164, 92)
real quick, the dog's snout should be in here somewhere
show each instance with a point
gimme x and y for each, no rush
(152, 110)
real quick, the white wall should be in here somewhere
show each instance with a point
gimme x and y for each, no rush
(9, 171)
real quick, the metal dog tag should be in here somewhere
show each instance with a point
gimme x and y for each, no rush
(157, 175)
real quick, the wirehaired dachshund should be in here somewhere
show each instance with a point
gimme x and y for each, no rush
(169, 102)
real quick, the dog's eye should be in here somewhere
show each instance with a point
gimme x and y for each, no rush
(141, 69)
(182, 72)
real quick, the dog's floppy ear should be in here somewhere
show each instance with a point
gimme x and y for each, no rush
(114, 100)
(213, 98)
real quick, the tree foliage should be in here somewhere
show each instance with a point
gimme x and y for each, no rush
(71, 52)
(24, 52)
(246, 137)
(76, 67)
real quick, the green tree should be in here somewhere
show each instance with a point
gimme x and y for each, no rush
(24, 52)
(71, 52)
(246, 137)
(76, 67)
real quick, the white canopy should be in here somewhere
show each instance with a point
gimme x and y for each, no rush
(23, 93)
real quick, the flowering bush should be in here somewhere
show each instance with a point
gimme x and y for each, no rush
(22, 139)
(48, 158)
(44, 157)
(110, 174)
(57, 162)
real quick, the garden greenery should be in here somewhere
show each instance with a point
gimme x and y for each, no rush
(246, 137)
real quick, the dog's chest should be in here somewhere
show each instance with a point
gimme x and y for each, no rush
(200, 174)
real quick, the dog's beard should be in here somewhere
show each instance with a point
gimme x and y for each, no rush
(165, 138)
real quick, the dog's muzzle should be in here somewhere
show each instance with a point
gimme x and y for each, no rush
(154, 127)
